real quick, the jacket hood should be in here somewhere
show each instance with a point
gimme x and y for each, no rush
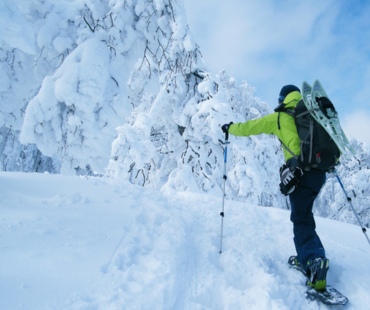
(292, 99)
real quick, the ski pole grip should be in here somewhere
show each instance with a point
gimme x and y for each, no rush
(226, 136)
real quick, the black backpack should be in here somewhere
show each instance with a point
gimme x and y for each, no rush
(318, 149)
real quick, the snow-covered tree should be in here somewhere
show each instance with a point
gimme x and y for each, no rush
(120, 88)
(75, 111)
(164, 79)
(20, 78)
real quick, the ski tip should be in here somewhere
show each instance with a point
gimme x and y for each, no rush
(318, 90)
(306, 89)
(317, 85)
(317, 82)
(305, 85)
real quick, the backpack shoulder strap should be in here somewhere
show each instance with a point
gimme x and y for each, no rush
(288, 149)
(287, 111)
(292, 114)
(305, 112)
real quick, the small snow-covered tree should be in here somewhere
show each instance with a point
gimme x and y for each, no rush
(74, 113)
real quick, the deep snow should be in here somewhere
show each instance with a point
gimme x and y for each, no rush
(95, 243)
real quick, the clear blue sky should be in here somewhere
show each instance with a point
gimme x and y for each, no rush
(270, 43)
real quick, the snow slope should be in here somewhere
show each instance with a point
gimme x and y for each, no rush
(94, 243)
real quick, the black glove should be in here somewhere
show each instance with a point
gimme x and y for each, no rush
(289, 178)
(225, 128)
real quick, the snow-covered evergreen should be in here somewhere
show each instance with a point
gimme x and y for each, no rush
(120, 88)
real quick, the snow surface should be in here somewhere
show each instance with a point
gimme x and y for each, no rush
(94, 243)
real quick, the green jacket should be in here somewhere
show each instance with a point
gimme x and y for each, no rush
(268, 124)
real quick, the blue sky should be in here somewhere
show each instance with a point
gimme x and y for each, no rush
(270, 43)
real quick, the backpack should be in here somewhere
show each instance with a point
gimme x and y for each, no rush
(318, 149)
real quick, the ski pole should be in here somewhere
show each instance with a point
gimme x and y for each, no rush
(222, 213)
(349, 200)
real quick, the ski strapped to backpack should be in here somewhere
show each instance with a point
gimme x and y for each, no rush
(322, 139)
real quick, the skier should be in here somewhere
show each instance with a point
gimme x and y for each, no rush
(302, 186)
